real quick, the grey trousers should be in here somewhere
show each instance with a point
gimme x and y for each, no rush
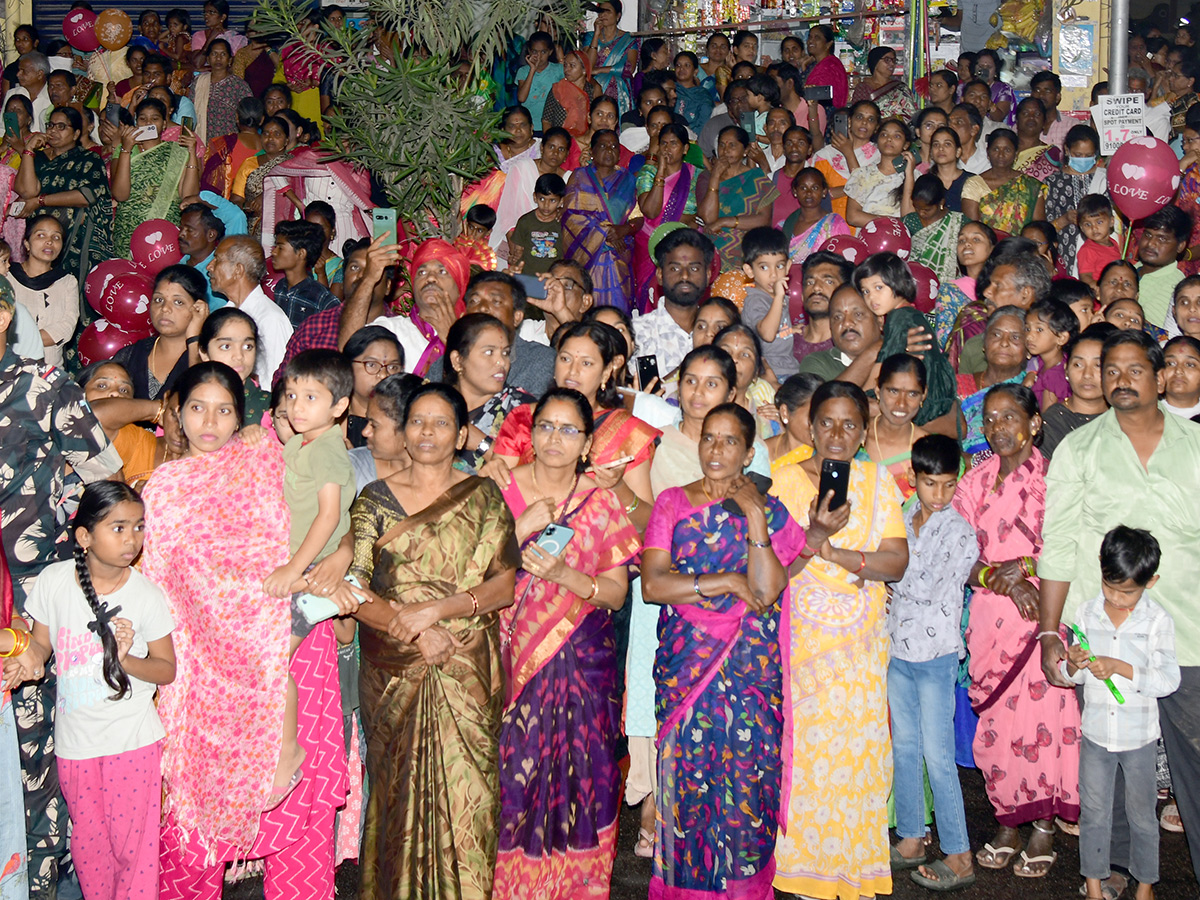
(1098, 795)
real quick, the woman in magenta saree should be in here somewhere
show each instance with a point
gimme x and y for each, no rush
(560, 786)
(596, 228)
(719, 677)
(670, 194)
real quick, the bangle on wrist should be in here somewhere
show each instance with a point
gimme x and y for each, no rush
(474, 602)
(863, 564)
(595, 589)
(983, 574)
(1054, 634)
(696, 586)
(761, 545)
(808, 552)
(633, 504)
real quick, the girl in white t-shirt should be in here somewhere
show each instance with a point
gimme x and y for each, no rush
(106, 731)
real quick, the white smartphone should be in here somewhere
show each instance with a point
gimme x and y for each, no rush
(146, 133)
(16, 208)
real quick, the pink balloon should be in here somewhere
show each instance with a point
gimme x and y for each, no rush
(1143, 176)
(927, 286)
(102, 273)
(887, 234)
(126, 303)
(102, 339)
(848, 247)
(155, 245)
(795, 293)
(79, 28)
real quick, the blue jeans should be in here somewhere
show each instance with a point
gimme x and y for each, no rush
(15, 885)
(1097, 798)
(923, 694)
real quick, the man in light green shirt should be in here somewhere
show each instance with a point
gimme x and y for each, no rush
(1134, 465)
(1164, 236)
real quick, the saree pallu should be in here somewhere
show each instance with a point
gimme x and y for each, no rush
(836, 840)
(255, 189)
(742, 195)
(1189, 198)
(936, 246)
(221, 163)
(802, 246)
(559, 782)
(432, 731)
(617, 434)
(695, 104)
(614, 54)
(1010, 207)
(1028, 737)
(894, 99)
(87, 230)
(592, 203)
(679, 199)
(154, 177)
(1035, 162)
(970, 400)
(971, 318)
(316, 175)
(719, 677)
(488, 189)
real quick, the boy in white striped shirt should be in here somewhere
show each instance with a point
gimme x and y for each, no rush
(1132, 643)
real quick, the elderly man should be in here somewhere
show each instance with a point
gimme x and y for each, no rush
(1158, 116)
(49, 443)
(1015, 276)
(1134, 465)
(684, 260)
(439, 274)
(33, 71)
(236, 270)
(856, 340)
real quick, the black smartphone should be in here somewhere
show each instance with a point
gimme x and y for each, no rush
(899, 164)
(647, 370)
(112, 112)
(835, 476)
(11, 125)
(841, 123)
(761, 483)
(818, 92)
(747, 123)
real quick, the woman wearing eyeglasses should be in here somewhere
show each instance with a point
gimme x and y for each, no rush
(58, 176)
(374, 354)
(883, 88)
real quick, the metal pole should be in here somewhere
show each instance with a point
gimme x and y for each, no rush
(1118, 47)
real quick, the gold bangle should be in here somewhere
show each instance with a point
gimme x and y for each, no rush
(595, 589)
(474, 602)
(13, 651)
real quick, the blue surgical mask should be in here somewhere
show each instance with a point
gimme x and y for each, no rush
(1081, 164)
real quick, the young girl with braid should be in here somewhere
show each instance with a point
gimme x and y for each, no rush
(110, 629)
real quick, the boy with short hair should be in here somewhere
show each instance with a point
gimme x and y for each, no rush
(765, 309)
(1131, 642)
(318, 487)
(926, 644)
(297, 248)
(1099, 247)
(533, 241)
(473, 240)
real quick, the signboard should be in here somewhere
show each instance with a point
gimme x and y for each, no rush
(1119, 118)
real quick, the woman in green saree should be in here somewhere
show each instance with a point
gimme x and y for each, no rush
(934, 228)
(58, 176)
(436, 547)
(150, 176)
(733, 196)
(1001, 197)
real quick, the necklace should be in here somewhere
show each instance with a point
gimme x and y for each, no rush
(912, 430)
(542, 494)
(154, 354)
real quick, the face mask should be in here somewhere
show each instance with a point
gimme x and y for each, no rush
(1081, 164)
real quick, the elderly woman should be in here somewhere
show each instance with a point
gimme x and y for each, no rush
(1002, 197)
(1004, 350)
(836, 804)
(883, 88)
(59, 177)
(216, 526)
(150, 176)
(597, 230)
(437, 548)
(217, 92)
(1028, 735)
(719, 577)
(733, 196)
(559, 818)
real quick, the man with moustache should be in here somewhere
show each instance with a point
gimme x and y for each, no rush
(824, 273)
(856, 338)
(684, 260)
(1134, 465)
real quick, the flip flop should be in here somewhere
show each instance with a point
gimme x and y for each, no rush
(947, 879)
(1171, 810)
(1107, 888)
(900, 862)
(278, 795)
(645, 840)
(995, 857)
(1021, 868)
(1071, 828)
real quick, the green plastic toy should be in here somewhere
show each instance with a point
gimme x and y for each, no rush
(1082, 638)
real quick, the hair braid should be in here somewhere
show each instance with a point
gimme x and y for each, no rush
(114, 674)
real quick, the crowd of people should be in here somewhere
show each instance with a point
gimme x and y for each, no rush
(646, 484)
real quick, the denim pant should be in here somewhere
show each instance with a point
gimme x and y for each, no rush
(1098, 769)
(921, 698)
(14, 880)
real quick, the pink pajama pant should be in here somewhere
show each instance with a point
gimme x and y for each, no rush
(114, 802)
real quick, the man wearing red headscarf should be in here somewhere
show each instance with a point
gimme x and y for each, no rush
(439, 274)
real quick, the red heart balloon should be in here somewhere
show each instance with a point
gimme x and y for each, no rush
(126, 302)
(795, 292)
(102, 339)
(1143, 177)
(848, 247)
(155, 245)
(79, 28)
(887, 234)
(102, 273)
(927, 286)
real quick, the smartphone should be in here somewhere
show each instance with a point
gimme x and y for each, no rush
(747, 123)
(16, 208)
(11, 125)
(554, 538)
(761, 483)
(317, 609)
(841, 123)
(647, 370)
(900, 164)
(383, 221)
(819, 92)
(146, 133)
(112, 113)
(189, 123)
(835, 476)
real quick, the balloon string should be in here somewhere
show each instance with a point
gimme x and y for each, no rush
(1128, 235)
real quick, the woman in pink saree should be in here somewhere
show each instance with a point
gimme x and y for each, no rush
(216, 526)
(666, 193)
(1027, 741)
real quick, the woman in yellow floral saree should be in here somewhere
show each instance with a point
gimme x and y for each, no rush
(431, 683)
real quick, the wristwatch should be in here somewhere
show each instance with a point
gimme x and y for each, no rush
(485, 444)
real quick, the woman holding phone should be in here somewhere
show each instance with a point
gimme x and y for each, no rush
(839, 657)
(559, 783)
